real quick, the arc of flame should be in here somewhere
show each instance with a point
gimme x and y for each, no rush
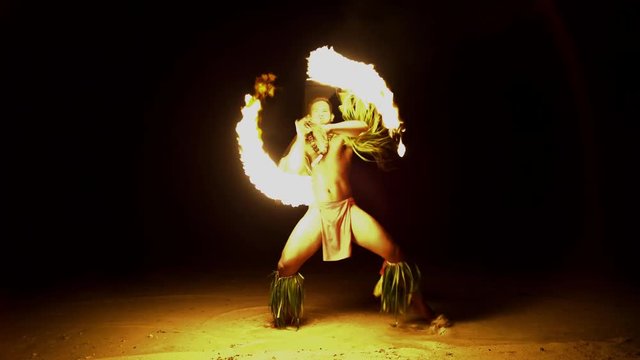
(264, 174)
(401, 148)
(327, 67)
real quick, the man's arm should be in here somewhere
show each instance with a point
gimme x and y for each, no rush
(294, 159)
(351, 128)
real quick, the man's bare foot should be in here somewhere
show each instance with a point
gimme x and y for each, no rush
(424, 315)
(436, 326)
(420, 308)
(439, 324)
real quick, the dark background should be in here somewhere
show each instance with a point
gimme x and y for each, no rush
(121, 154)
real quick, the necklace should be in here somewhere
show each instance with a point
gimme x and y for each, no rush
(311, 138)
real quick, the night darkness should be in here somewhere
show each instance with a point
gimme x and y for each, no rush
(122, 156)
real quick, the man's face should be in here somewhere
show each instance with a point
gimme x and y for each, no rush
(321, 113)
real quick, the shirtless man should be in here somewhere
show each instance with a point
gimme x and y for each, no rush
(319, 150)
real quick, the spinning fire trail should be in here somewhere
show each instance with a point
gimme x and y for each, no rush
(327, 67)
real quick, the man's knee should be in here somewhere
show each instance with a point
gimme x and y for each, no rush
(286, 268)
(395, 254)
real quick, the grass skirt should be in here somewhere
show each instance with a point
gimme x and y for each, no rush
(286, 297)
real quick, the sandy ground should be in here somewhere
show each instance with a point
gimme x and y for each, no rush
(211, 317)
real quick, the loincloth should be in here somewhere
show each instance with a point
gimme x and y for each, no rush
(335, 217)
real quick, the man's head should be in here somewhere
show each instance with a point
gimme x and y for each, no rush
(320, 111)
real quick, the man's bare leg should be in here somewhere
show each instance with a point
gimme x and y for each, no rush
(369, 234)
(304, 241)
(286, 295)
(418, 305)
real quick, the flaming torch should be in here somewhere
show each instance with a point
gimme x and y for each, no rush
(327, 67)
(263, 172)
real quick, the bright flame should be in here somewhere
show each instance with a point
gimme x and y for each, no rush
(264, 174)
(328, 67)
(401, 148)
